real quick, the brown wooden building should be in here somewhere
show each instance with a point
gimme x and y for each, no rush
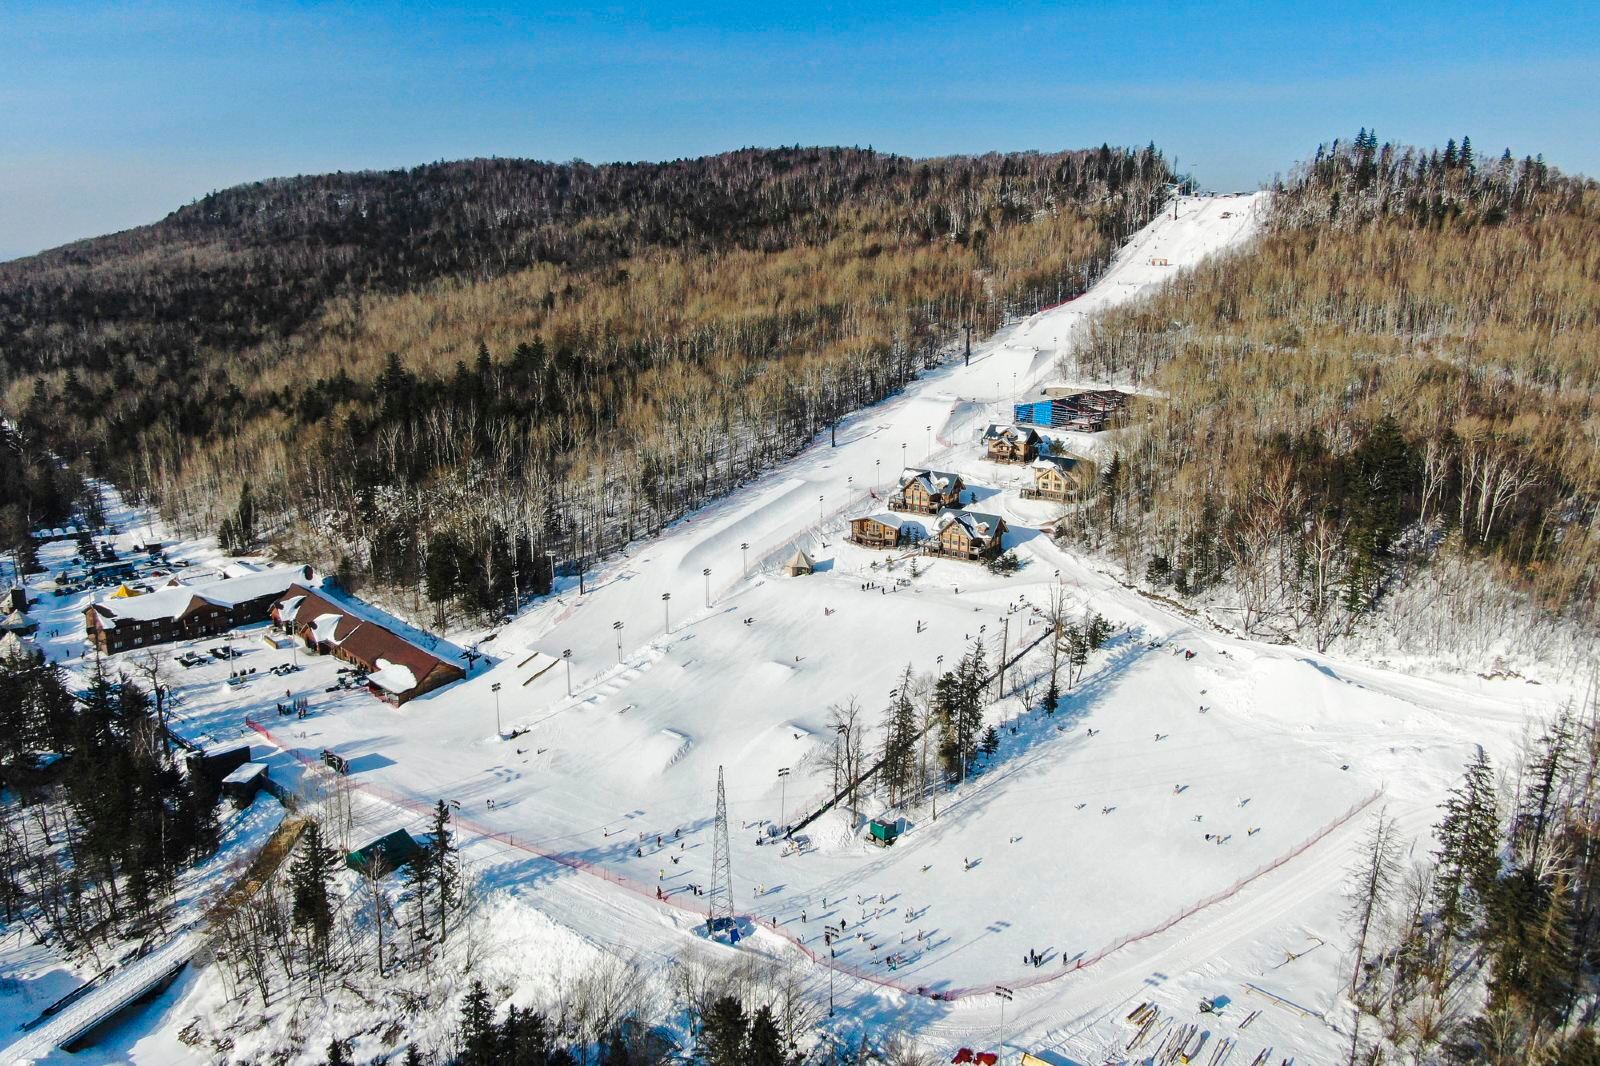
(927, 491)
(397, 669)
(185, 612)
(1059, 477)
(1011, 444)
(969, 535)
(885, 531)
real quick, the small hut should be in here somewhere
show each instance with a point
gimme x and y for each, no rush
(243, 782)
(13, 646)
(799, 564)
(18, 623)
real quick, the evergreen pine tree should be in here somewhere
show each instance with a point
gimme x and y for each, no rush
(900, 741)
(310, 878)
(1468, 856)
(722, 1033)
(479, 1036)
(765, 1043)
(339, 1053)
(442, 866)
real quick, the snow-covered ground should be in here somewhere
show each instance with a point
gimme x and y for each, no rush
(1097, 851)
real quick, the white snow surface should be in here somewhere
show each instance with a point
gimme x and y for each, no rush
(1097, 851)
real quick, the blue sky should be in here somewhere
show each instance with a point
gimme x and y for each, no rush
(112, 115)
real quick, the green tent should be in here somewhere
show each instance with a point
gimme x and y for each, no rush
(391, 852)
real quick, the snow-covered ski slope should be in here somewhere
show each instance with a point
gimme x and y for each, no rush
(1179, 828)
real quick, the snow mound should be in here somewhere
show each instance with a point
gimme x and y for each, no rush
(662, 750)
(772, 672)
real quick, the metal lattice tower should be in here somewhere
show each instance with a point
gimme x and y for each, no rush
(719, 914)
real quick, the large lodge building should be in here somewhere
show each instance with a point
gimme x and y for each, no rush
(398, 668)
(175, 612)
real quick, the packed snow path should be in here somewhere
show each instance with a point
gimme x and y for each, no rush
(1184, 764)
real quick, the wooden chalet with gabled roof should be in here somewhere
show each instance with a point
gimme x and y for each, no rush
(927, 491)
(885, 531)
(1058, 477)
(1011, 444)
(968, 535)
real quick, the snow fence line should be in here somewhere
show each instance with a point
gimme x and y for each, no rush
(583, 866)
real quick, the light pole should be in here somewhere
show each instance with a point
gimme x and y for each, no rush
(819, 509)
(617, 628)
(783, 793)
(706, 573)
(1004, 995)
(551, 555)
(566, 657)
(495, 688)
(877, 466)
(666, 609)
(829, 934)
(744, 554)
(930, 439)
(902, 455)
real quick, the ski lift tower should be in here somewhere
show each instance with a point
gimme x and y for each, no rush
(719, 913)
(1174, 190)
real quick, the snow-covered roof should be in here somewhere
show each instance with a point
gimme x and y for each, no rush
(886, 518)
(244, 773)
(997, 430)
(11, 644)
(392, 677)
(934, 481)
(288, 607)
(977, 524)
(325, 626)
(15, 620)
(242, 569)
(172, 601)
(800, 561)
(1055, 462)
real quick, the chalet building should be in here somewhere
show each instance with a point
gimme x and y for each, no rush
(969, 535)
(1058, 477)
(927, 491)
(1011, 444)
(127, 619)
(397, 669)
(885, 531)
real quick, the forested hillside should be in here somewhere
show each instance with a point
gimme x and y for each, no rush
(1384, 408)
(432, 377)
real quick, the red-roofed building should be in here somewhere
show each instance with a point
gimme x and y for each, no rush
(397, 669)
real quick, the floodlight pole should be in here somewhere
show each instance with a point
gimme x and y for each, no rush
(783, 793)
